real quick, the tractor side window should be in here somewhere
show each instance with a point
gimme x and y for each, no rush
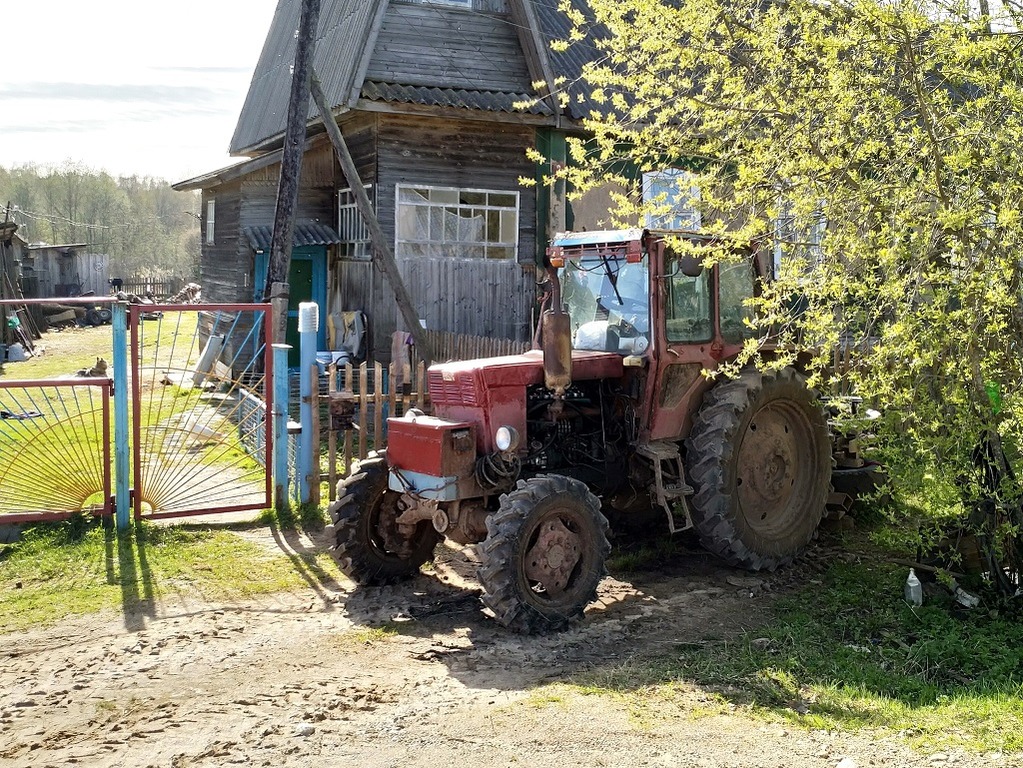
(736, 291)
(688, 308)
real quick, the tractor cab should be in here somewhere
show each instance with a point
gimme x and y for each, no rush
(645, 295)
(623, 288)
(605, 287)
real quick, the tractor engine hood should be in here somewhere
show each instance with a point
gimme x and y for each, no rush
(491, 392)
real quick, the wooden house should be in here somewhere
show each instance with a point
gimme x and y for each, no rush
(439, 101)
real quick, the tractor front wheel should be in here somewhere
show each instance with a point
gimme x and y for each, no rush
(759, 458)
(544, 554)
(368, 545)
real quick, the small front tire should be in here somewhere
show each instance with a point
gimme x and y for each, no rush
(544, 554)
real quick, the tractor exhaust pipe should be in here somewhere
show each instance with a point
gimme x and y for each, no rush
(556, 341)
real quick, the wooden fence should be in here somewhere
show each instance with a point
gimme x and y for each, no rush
(145, 286)
(374, 393)
(460, 346)
(378, 391)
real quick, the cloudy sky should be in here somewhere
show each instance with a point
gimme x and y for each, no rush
(148, 88)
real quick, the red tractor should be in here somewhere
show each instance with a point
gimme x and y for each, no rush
(611, 413)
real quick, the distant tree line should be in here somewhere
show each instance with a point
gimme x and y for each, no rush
(146, 227)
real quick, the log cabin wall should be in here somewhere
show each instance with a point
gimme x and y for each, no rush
(224, 269)
(448, 47)
(354, 282)
(227, 263)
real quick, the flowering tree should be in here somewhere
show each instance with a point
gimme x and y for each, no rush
(876, 144)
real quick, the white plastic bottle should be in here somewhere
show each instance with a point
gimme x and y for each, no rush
(914, 590)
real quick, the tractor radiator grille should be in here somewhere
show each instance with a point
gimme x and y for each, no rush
(461, 391)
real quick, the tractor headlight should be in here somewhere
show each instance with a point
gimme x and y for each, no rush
(506, 439)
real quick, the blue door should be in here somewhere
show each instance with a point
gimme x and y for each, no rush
(308, 282)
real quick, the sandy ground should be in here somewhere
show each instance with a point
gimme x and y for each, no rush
(296, 679)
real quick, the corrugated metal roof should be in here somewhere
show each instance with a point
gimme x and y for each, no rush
(310, 233)
(569, 63)
(488, 101)
(342, 33)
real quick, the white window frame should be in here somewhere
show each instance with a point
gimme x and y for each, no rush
(682, 193)
(785, 233)
(512, 245)
(211, 217)
(352, 228)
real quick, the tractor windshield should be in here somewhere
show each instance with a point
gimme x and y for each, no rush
(608, 299)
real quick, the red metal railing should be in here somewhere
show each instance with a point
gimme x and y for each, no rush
(193, 450)
(51, 472)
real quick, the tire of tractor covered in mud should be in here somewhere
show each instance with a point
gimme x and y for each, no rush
(363, 519)
(544, 554)
(759, 459)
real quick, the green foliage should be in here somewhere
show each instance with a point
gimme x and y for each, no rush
(873, 147)
(146, 227)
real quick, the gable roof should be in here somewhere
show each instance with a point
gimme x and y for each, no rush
(342, 33)
(348, 37)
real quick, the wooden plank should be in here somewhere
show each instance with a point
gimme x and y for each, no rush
(441, 47)
(421, 385)
(363, 402)
(331, 438)
(346, 452)
(392, 391)
(378, 402)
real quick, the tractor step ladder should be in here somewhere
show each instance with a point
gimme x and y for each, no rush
(670, 495)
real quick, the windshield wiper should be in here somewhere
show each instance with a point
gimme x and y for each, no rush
(611, 277)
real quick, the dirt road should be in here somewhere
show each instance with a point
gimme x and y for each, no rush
(301, 679)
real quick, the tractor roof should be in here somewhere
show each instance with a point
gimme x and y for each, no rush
(574, 239)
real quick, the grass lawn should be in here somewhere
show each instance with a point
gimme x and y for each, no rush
(77, 568)
(847, 653)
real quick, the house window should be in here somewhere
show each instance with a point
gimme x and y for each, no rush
(672, 199)
(211, 210)
(795, 237)
(355, 238)
(466, 223)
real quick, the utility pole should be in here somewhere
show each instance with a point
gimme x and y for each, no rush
(277, 289)
(383, 256)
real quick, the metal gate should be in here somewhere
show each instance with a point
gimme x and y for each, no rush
(201, 408)
(55, 455)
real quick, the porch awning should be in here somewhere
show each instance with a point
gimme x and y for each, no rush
(259, 237)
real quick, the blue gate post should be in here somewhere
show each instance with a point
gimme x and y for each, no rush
(122, 452)
(280, 426)
(308, 326)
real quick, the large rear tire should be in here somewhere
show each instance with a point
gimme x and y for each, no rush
(759, 458)
(544, 554)
(368, 546)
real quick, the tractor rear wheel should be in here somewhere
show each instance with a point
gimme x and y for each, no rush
(759, 458)
(368, 546)
(544, 554)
